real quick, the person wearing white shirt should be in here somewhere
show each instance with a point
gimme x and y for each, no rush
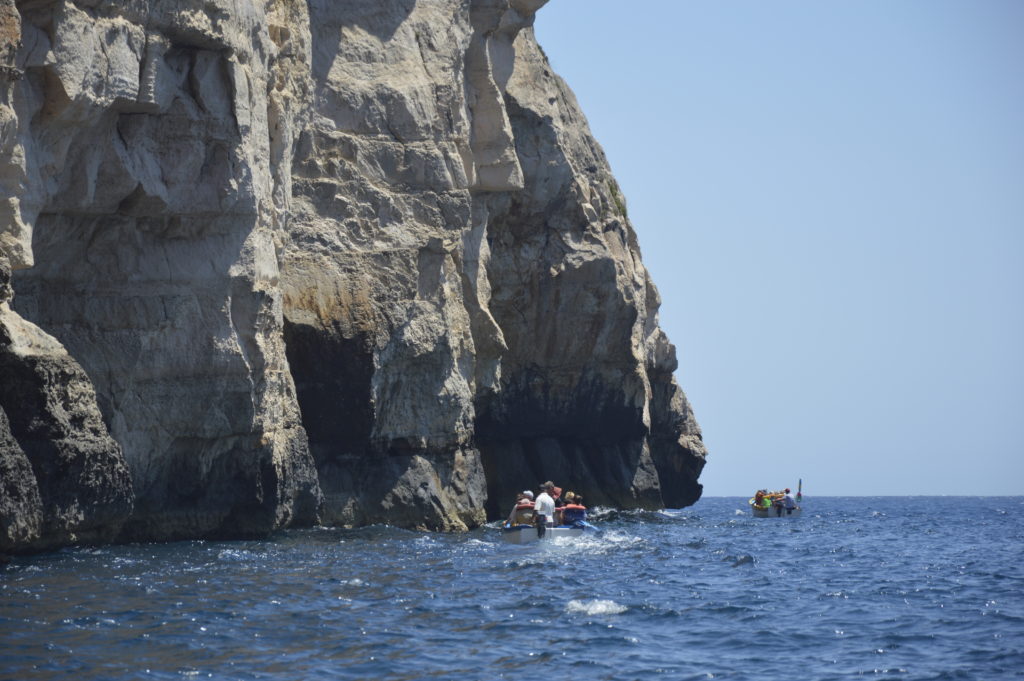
(544, 508)
(788, 502)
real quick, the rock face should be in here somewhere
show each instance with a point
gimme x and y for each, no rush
(324, 262)
(64, 479)
(21, 508)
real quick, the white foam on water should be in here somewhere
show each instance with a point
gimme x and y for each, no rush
(238, 555)
(595, 607)
(593, 543)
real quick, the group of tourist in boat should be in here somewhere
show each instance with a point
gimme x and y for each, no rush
(549, 508)
(779, 503)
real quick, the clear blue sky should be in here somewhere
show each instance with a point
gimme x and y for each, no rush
(829, 195)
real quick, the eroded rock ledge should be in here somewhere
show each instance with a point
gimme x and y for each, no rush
(283, 263)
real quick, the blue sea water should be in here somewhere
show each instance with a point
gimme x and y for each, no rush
(887, 587)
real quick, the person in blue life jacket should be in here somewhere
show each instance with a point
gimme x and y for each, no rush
(574, 512)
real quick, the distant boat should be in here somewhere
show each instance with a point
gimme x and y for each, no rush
(776, 507)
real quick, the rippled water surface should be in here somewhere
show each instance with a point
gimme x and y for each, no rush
(909, 588)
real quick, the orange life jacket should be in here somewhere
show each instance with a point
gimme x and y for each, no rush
(524, 514)
(573, 512)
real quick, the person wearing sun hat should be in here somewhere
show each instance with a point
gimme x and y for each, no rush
(522, 510)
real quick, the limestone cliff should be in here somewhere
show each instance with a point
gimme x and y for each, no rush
(314, 262)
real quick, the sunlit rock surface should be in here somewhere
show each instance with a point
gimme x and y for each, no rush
(323, 262)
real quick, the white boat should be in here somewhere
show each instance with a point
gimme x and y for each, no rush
(526, 534)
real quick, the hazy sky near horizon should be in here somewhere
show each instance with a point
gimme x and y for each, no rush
(829, 196)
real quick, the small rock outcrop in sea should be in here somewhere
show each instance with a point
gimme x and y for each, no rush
(282, 263)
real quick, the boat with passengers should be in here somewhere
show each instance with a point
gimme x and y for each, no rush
(569, 519)
(780, 504)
